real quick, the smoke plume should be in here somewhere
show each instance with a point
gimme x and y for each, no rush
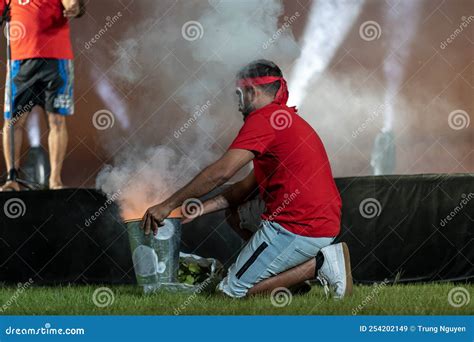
(182, 65)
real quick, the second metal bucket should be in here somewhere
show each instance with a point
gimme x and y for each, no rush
(155, 257)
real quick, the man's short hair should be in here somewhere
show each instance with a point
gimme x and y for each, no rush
(261, 68)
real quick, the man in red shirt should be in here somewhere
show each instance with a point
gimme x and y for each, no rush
(40, 73)
(293, 178)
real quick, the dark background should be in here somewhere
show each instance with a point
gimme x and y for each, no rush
(425, 142)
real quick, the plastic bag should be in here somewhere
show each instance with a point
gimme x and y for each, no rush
(208, 285)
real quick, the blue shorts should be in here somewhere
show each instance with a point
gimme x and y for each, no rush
(48, 83)
(270, 251)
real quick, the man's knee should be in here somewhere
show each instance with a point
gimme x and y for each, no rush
(56, 121)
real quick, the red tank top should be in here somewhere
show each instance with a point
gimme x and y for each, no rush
(38, 29)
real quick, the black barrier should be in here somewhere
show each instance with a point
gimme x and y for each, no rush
(404, 228)
(408, 228)
(62, 236)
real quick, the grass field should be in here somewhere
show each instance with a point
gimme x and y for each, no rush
(128, 300)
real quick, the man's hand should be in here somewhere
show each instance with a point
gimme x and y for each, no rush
(211, 177)
(73, 8)
(154, 217)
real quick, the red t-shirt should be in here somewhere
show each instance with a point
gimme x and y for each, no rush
(38, 29)
(292, 170)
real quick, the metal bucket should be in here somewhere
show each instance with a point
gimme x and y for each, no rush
(155, 258)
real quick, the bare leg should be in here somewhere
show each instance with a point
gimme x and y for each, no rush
(18, 124)
(291, 277)
(57, 141)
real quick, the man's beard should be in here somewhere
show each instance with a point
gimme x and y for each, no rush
(246, 110)
(245, 105)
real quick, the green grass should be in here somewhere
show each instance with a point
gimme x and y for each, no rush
(128, 300)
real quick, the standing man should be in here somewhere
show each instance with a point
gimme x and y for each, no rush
(293, 178)
(42, 74)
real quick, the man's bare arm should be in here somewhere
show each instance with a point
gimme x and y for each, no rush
(210, 178)
(235, 195)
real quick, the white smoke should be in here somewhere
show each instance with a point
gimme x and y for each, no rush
(109, 96)
(328, 24)
(400, 38)
(184, 64)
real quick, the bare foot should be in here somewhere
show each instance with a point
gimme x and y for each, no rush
(10, 186)
(56, 186)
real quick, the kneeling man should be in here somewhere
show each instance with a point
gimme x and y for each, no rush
(294, 180)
